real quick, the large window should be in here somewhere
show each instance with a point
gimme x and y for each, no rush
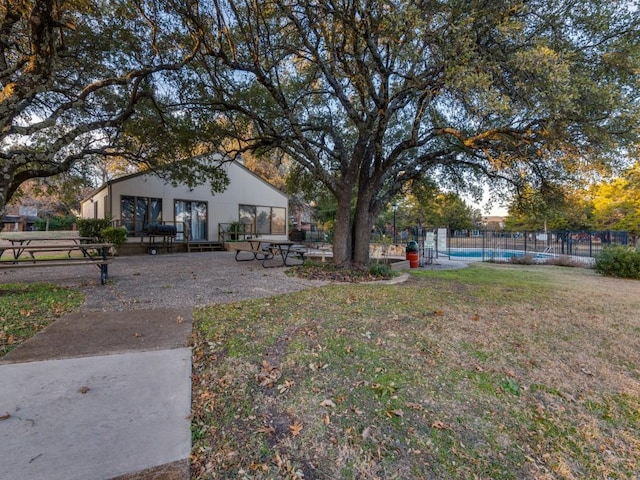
(138, 212)
(264, 220)
(194, 217)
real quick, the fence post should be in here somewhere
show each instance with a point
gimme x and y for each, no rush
(484, 234)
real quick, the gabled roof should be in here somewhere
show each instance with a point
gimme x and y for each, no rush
(204, 156)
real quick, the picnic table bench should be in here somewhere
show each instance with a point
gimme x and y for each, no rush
(23, 241)
(266, 250)
(86, 254)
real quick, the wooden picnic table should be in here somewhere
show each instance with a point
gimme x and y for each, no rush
(91, 254)
(18, 242)
(268, 250)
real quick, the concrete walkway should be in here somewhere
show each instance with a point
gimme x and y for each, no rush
(99, 396)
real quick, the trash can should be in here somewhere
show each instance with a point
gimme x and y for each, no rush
(412, 254)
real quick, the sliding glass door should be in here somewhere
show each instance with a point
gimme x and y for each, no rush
(194, 216)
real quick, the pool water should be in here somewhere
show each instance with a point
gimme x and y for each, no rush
(491, 254)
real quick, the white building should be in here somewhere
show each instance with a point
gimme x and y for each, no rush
(138, 200)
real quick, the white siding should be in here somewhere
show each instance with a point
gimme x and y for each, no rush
(96, 206)
(244, 188)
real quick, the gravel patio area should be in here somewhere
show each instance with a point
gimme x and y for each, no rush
(176, 280)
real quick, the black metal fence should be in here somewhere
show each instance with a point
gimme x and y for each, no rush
(502, 246)
(492, 245)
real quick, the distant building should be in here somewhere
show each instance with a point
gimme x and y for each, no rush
(19, 219)
(138, 200)
(493, 222)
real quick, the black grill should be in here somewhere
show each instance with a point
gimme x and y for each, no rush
(158, 229)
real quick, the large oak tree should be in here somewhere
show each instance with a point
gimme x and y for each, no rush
(81, 80)
(366, 95)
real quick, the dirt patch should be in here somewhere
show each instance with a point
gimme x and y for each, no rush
(330, 273)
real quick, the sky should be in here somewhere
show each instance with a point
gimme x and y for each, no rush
(494, 210)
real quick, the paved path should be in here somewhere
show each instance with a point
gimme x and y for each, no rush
(99, 395)
(96, 417)
(105, 392)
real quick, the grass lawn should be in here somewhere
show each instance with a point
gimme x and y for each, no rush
(27, 309)
(491, 372)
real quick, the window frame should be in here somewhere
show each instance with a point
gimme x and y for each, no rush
(139, 225)
(277, 218)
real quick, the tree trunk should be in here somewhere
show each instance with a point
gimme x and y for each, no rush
(342, 235)
(353, 232)
(3, 202)
(362, 224)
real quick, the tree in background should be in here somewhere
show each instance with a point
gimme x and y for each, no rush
(367, 96)
(87, 80)
(551, 207)
(445, 209)
(60, 195)
(429, 206)
(617, 203)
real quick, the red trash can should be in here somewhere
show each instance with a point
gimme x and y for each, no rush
(412, 254)
(414, 259)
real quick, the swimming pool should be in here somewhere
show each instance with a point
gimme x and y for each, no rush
(491, 254)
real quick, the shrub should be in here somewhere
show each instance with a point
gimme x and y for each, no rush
(115, 235)
(236, 229)
(617, 261)
(92, 227)
(380, 270)
(527, 259)
(55, 223)
(563, 261)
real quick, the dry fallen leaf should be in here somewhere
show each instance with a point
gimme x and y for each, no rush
(268, 429)
(83, 390)
(327, 403)
(295, 428)
(268, 375)
(395, 413)
(259, 466)
(438, 425)
(5, 417)
(285, 386)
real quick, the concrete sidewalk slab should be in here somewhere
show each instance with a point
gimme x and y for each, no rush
(94, 417)
(84, 334)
